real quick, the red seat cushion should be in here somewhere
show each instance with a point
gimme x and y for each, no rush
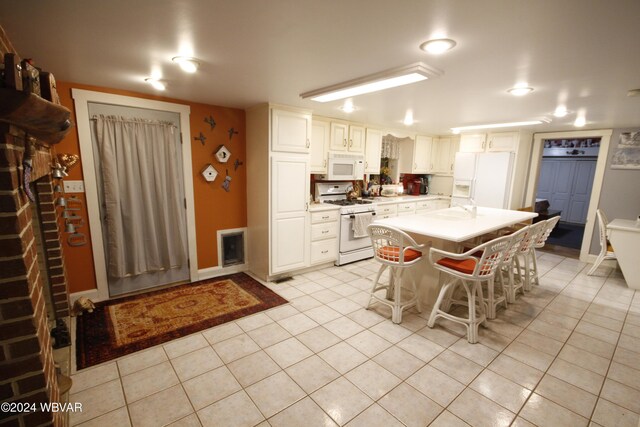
(391, 253)
(465, 266)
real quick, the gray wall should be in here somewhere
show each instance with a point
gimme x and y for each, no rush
(620, 196)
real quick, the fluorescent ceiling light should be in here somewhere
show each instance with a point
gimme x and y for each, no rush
(157, 84)
(497, 125)
(374, 82)
(520, 91)
(188, 64)
(437, 46)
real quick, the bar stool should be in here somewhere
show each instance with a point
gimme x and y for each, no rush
(470, 271)
(510, 287)
(540, 242)
(606, 250)
(396, 249)
(524, 253)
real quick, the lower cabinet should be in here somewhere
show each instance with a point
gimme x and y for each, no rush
(324, 236)
(386, 211)
(406, 208)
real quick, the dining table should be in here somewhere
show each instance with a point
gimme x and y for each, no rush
(447, 229)
(624, 235)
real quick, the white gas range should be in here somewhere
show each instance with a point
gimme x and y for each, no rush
(350, 248)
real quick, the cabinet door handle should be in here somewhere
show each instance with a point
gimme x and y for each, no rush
(490, 143)
(325, 231)
(324, 163)
(350, 142)
(415, 166)
(451, 166)
(431, 166)
(306, 206)
(325, 217)
(483, 144)
(366, 165)
(325, 251)
(308, 143)
(344, 142)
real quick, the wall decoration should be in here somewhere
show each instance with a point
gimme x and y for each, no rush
(627, 155)
(227, 182)
(237, 164)
(200, 138)
(222, 154)
(209, 173)
(232, 132)
(68, 160)
(210, 120)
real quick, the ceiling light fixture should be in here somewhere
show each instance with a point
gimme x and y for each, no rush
(157, 84)
(188, 64)
(348, 106)
(374, 82)
(408, 118)
(580, 121)
(438, 46)
(560, 111)
(520, 90)
(498, 125)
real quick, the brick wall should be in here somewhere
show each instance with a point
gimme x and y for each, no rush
(27, 371)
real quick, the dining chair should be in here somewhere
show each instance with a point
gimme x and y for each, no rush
(396, 250)
(606, 250)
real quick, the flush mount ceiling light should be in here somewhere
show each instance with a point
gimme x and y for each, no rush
(520, 90)
(560, 111)
(348, 107)
(498, 125)
(157, 84)
(188, 64)
(408, 118)
(580, 121)
(374, 82)
(438, 46)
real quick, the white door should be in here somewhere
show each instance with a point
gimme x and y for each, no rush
(339, 136)
(562, 185)
(492, 185)
(422, 154)
(289, 205)
(290, 131)
(472, 143)
(581, 192)
(319, 146)
(356, 139)
(149, 279)
(372, 151)
(464, 168)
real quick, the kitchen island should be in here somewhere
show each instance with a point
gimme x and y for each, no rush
(445, 229)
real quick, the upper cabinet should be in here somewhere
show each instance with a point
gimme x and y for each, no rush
(493, 142)
(290, 131)
(320, 137)
(346, 137)
(372, 151)
(443, 154)
(415, 155)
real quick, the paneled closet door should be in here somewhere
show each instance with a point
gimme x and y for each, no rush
(581, 193)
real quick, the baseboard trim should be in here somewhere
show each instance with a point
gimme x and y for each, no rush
(211, 272)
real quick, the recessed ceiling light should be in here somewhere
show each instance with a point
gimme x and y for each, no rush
(560, 111)
(580, 121)
(188, 64)
(437, 46)
(157, 84)
(520, 90)
(498, 125)
(348, 106)
(374, 82)
(408, 118)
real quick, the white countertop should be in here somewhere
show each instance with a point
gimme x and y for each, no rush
(455, 224)
(317, 207)
(624, 225)
(407, 198)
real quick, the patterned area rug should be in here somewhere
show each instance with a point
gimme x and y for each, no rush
(129, 324)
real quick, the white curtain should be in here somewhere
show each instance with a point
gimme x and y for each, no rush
(144, 212)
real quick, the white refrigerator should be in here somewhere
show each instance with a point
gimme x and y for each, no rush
(484, 177)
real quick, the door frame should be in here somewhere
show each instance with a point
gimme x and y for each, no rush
(81, 99)
(603, 154)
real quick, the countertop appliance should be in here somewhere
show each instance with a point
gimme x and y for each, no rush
(350, 248)
(343, 167)
(484, 177)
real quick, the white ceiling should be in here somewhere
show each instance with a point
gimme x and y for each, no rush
(583, 52)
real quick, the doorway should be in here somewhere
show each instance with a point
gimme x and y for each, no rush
(568, 182)
(82, 101)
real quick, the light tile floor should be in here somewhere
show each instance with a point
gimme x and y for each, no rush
(565, 354)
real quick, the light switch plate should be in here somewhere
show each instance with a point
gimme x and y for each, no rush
(73, 186)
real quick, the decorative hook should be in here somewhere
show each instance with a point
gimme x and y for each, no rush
(232, 131)
(210, 120)
(200, 138)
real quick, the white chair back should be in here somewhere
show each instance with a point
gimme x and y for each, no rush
(391, 246)
(544, 235)
(516, 241)
(602, 225)
(530, 239)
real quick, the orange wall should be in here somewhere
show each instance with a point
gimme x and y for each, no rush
(215, 209)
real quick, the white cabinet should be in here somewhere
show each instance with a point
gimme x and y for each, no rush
(473, 143)
(372, 151)
(289, 205)
(415, 155)
(346, 137)
(406, 208)
(324, 236)
(443, 155)
(290, 131)
(320, 136)
(386, 211)
(493, 142)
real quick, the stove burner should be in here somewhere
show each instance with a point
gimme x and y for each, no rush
(348, 202)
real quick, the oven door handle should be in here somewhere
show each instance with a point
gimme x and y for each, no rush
(352, 216)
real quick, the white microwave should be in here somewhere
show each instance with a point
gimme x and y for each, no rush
(345, 167)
